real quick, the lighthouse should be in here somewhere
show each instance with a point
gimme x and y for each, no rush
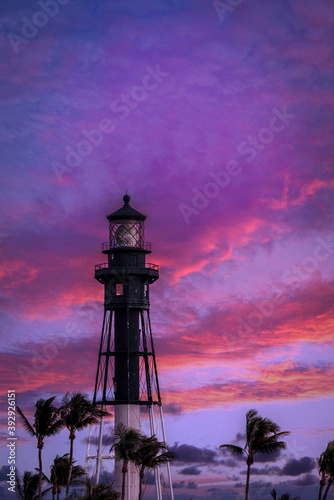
(127, 377)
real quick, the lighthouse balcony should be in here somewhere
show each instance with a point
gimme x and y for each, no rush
(104, 273)
(105, 266)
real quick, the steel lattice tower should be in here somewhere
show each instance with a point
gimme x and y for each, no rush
(127, 377)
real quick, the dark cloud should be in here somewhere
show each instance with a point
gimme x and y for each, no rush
(190, 471)
(240, 437)
(309, 492)
(261, 484)
(3, 472)
(188, 453)
(191, 485)
(254, 484)
(296, 467)
(5, 494)
(259, 457)
(179, 484)
(266, 471)
(106, 440)
(271, 457)
(228, 463)
(222, 494)
(149, 478)
(173, 409)
(307, 480)
(106, 477)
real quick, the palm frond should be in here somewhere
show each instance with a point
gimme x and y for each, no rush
(78, 411)
(28, 485)
(251, 414)
(55, 428)
(268, 440)
(44, 477)
(164, 458)
(326, 461)
(27, 425)
(89, 420)
(45, 492)
(235, 450)
(267, 448)
(46, 417)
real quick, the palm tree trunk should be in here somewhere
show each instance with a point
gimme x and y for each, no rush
(40, 472)
(327, 489)
(124, 471)
(322, 484)
(72, 436)
(141, 477)
(320, 491)
(247, 480)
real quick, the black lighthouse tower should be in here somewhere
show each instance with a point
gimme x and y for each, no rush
(127, 376)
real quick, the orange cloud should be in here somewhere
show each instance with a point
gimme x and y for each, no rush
(269, 383)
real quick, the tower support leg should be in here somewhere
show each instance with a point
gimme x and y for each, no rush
(168, 464)
(99, 451)
(156, 470)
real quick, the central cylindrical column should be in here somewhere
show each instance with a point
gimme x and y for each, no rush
(127, 411)
(127, 338)
(129, 415)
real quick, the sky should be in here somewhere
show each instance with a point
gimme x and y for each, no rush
(217, 118)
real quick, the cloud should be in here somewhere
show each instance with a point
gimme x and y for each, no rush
(258, 457)
(307, 480)
(106, 477)
(4, 493)
(265, 386)
(191, 485)
(250, 326)
(222, 494)
(267, 471)
(173, 409)
(295, 467)
(190, 471)
(107, 440)
(228, 463)
(264, 457)
(189, 453)
(149, 478)
(261, 484)
(3, 472)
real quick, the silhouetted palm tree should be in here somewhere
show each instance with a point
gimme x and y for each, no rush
(59, 474)
(285, 496)
(262, 436)
(77, 413)
(149, 456)
(127, 441)
(47, 422)
(28, 488)
(326, 469)
(96, 491)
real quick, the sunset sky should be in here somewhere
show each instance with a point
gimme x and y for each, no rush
(217, 118)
